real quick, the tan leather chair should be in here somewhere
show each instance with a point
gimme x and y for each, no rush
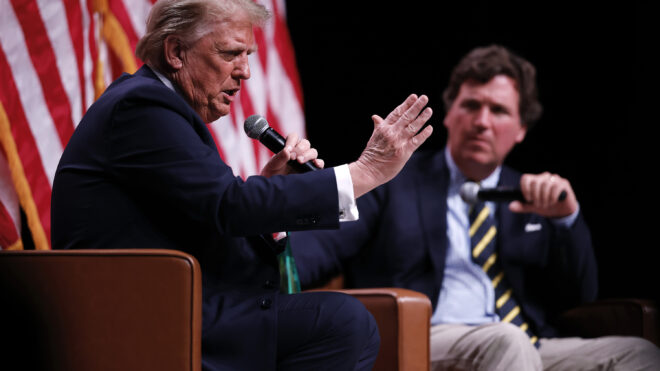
(100, 310)
(403, 318)
(141, 310)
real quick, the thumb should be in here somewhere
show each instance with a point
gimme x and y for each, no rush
(516, 207)
(282, 156)
(377, 120)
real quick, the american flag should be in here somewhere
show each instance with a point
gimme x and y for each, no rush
(57, 56)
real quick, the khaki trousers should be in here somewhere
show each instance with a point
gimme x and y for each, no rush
(502, 346)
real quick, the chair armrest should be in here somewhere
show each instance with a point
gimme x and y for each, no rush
(627, 317)
(403, 318)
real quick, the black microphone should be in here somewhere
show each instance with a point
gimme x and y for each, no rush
(256, 127)
(472, 193)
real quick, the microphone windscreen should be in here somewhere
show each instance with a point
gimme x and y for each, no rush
(470, 192)
(255, 125)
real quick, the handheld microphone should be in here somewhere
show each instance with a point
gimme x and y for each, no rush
(256, 127)
(472, 193)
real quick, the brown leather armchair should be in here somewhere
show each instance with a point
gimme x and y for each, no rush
(404, 323)
(141, 310)
(624, 317)
(100, 310)
(403, 318)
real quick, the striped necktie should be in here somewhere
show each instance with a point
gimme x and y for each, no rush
(482, 236)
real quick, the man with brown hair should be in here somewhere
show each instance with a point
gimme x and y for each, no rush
(497, 274)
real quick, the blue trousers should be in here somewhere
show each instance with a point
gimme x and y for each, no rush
(325, 331)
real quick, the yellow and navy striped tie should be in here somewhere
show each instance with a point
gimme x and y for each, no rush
(482, 236)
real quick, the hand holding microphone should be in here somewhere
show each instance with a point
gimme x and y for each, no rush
(291, 151)
(544, 194)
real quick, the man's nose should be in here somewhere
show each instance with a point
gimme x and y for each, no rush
(242, 68)
(483, 118)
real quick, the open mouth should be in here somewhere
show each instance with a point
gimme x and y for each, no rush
(231, 92)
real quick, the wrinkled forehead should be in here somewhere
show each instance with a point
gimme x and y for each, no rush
(231, 34)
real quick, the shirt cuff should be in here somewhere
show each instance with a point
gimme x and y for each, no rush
(348, 210)
(567, 221)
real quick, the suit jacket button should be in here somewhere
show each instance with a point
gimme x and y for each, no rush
(265, 303)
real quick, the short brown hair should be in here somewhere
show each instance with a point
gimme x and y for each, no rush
(484, 63)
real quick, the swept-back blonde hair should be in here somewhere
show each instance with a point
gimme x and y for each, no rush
(190, 20)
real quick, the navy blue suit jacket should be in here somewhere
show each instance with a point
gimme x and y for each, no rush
(400, 240)
(142, 171)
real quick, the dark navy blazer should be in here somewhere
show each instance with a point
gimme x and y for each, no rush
(142, 171)
(400, 240)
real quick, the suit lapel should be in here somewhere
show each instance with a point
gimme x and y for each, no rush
(432, 188)
(508, 223)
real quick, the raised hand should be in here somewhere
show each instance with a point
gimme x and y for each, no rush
(392, 142)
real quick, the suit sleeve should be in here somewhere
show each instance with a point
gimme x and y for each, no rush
(319, 255)
(166, 154)
(574, 263)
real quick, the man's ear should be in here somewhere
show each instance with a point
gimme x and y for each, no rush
(522, 133)
(173, 52)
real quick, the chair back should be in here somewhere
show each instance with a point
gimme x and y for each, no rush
(137, 309)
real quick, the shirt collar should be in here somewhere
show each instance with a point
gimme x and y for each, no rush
(163, 79)
(456, 178)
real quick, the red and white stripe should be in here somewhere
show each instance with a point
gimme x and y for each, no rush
(49, 54)
(10, 219)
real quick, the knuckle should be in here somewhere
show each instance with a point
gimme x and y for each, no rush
(411, 128)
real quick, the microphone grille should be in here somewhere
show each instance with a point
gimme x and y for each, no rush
(470, 192)
(255, 125)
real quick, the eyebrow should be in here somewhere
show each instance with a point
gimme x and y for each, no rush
(232, 48)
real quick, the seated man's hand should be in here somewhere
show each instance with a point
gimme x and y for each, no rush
(542, 194)
(295, 149)
(392, 142)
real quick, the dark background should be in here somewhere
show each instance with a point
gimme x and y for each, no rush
(360, 58)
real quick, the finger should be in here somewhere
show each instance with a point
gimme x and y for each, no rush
(413, 111)
(319, 163)
(401, 109)
(553, 190)
(303, 145)
(310, 154)
(516, 206)
(301, 150)
(525, 187)
(554, 187)
(420, 138)
(559, 185)
(278, 160)
(423, 117)
(545, 189)
(377, 120)
(537, 185)
(290, 144)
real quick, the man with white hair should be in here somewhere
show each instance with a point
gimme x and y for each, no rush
(142, 171)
